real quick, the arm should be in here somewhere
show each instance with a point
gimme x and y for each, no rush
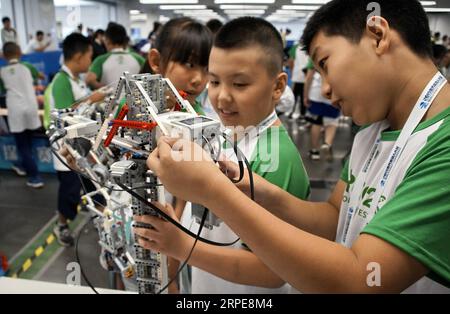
(235, 265)
(308, 262)
(307, 88)
(92, 82)
(317, 218)
(304, 260)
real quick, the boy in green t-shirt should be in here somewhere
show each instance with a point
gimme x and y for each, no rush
(18, 80)
(386, 226)
(107, 69)
(65, 91)
(246, 83)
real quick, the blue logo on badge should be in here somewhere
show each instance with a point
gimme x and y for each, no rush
(423, 105)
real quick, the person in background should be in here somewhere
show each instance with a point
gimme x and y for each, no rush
(9, 34)
(39, 44)
(18, 79)
(98, 44)
(214, 25)
(107, 69)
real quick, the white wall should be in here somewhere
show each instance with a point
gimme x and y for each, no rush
(95, 16)
(28, 16)
(440, 22)
(145, 26)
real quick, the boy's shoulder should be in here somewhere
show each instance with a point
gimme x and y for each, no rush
(140, 59)
(100, 60)
(61, 78)
(277, 159)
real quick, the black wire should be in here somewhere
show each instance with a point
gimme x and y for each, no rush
(241, 164)
(78, 241)
(242, 159)
(79, 262)
(197, 237)
(202, 224)
(55, 153)
(173, 221)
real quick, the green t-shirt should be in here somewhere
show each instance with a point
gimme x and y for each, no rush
(293, 51)
(34, 74)
(414, 214)
(276, 158)
(290, 175)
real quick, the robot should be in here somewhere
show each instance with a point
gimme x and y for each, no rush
(111, 148)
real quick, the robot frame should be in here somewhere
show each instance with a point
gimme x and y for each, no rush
(111, 148)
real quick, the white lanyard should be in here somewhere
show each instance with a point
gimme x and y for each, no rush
(267, 123)
(420, 109)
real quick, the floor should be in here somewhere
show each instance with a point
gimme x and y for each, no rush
(27, 216)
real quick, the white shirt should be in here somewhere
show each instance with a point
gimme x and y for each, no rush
(20, 97)
(301, 60)
(9, 36)
(79, 90)
(315, 92)
(206, 283)
(34, 45)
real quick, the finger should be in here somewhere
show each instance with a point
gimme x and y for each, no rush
(148, 245)
(154, 163)
(229, 168)
(165, 150)
(168, 210)
(168, 140)
(148, 234)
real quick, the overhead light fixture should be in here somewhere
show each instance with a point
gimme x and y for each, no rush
(168, 1)
(437, 10)
(243, 12)
(428, 3)
(72, 3)
(310, 1)
(183, 7)
(135, 12)
(243, 7)
(301, 7)
(242, 1)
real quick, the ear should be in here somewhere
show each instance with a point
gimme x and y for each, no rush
(77, 57)
(279, 87)
(378, 30)
(154, 60)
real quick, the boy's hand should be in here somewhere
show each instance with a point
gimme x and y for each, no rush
(97, 97)
(306, 102)
(165, 237)
(71, 162)
(186, 170)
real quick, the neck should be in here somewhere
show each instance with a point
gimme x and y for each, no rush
(116, 47)
(72, 67)
(410, 88)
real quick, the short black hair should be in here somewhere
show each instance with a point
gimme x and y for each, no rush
(6, 19)
(248, 31)
(214, 25)
(11, 50)
(439, 52)
(39, 33)
(348, 18)
(184, 40)
(75, 43)
(117, 34)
